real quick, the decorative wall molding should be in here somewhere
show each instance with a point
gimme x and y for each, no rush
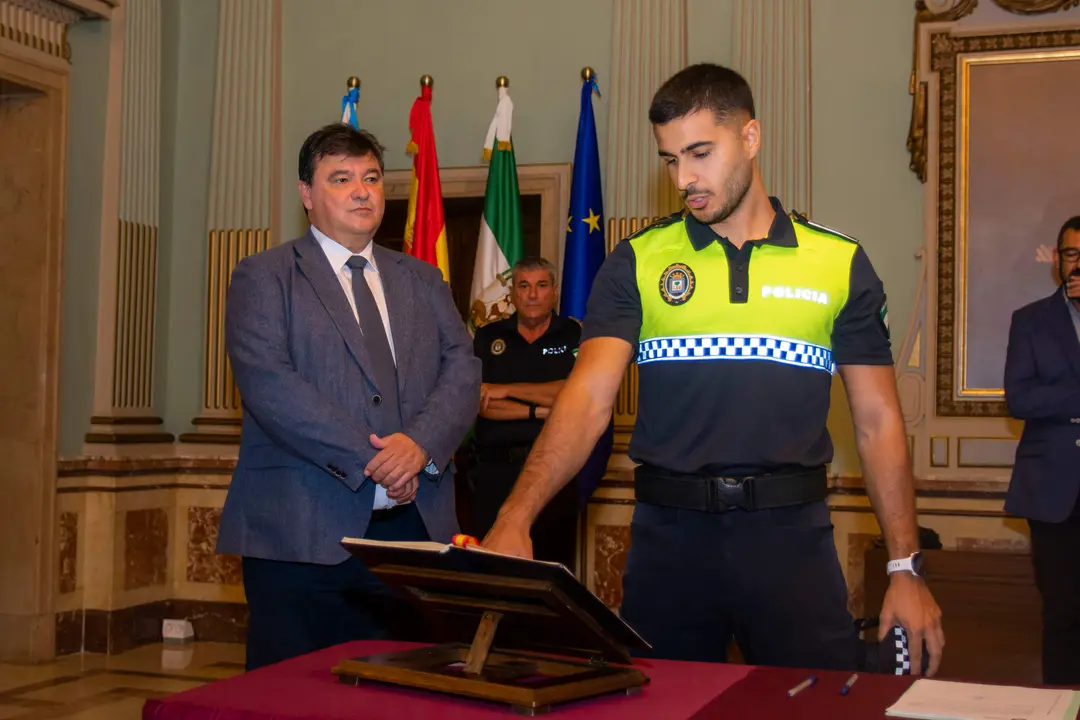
(39, 26)
(942, 11)
(242, 188)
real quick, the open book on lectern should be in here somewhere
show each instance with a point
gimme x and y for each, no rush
(543, 606)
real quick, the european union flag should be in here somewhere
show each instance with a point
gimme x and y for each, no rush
(584, 251)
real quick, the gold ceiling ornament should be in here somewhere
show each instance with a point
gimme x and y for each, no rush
(916, 141)
(1035, 7)
(951, 11)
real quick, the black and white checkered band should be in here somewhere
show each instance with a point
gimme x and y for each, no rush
(903, 656)
(736, 347)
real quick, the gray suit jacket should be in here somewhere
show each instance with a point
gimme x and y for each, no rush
(299, 361)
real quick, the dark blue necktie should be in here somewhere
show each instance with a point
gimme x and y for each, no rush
(378, 347)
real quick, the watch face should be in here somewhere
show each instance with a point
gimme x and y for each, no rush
(917, 563)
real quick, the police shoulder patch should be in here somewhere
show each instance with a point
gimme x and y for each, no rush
(802, 220)
(671, 219)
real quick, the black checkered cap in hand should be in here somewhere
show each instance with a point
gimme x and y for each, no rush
(378, 347)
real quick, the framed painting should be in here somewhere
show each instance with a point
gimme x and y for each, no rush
(1009, 169)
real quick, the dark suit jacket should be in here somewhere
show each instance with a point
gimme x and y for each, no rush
(304, 377)
(1042, 388)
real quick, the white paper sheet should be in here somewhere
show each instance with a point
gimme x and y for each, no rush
(945, 700)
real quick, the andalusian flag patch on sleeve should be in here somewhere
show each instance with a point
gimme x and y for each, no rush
(884, 315)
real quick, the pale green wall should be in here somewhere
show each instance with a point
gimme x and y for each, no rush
(861, 61)
(189, 56)
(82, 246)
(464, 45)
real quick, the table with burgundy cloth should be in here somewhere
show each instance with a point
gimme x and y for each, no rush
(304, 687)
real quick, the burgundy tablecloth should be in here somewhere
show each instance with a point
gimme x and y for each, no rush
(763, 694)
(305, 688)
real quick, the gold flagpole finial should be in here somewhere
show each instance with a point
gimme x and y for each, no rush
(587, 73)
(353, 82)
(502, 82)
(427, 81)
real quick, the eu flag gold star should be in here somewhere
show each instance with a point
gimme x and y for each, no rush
(568, 219)
(593, 221)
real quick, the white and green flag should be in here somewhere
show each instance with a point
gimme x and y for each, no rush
(502, 241)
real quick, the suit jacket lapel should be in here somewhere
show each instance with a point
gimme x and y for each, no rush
(1065, 331)
(399, 306)
(313, 264)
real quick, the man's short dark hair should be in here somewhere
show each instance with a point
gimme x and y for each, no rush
(704, 86)
(337, 139)
(534, 263)
(1072, 223)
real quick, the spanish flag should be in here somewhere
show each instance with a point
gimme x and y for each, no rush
(425, 228)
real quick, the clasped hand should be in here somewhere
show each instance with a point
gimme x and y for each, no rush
(396, 465)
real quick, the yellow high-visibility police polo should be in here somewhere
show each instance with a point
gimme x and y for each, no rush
(736, 348)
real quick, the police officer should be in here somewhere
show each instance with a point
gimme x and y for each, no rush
(526, 359)
(737, 315)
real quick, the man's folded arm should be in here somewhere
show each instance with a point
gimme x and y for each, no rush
(451, 408)
(289, 409)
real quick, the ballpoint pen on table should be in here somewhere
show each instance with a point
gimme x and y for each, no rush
(802, 686)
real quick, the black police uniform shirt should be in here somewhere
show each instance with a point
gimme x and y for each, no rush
(736, 418)
(507, 358)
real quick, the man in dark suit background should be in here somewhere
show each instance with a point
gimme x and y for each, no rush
(1042, 388)
(358, 383)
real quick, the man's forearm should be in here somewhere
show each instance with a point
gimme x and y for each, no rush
(889, 485)
(500, 409)
(569, 435)
(542, 394)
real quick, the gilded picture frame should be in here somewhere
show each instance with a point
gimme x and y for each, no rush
(954, 58)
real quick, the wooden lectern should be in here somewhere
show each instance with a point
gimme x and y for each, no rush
(516, 631)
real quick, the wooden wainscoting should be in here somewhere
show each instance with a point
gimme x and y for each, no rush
(990, 612)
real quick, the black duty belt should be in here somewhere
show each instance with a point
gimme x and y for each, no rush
(707, 493)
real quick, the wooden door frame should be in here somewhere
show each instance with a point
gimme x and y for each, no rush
(30, 637)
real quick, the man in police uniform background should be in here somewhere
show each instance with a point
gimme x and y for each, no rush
(526, 359)
(737, 314)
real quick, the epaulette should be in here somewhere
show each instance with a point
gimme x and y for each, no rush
(662, 222)
(796, 216)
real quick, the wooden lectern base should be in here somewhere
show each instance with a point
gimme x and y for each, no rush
(530, 682)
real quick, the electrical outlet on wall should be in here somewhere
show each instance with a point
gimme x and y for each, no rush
(177, 631)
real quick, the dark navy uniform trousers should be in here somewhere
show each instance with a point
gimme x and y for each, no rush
(770, 579)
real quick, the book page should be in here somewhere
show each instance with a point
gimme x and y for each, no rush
(403, 545)
(968, 701)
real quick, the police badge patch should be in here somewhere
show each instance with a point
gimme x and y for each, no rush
(677, 284)
(498, 347)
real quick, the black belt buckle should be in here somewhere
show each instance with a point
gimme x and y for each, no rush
(730, 493)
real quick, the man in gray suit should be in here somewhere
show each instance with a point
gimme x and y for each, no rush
(358, 383)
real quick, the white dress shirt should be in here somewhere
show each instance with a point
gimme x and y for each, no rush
(338, 255)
